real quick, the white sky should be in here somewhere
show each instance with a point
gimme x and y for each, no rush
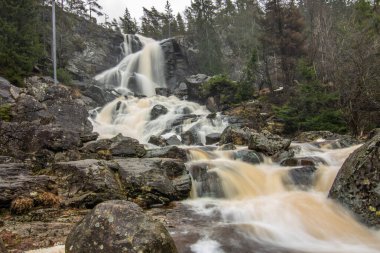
(116, 8)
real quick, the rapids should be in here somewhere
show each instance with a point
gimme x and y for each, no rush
(255, 208)
(261, 209)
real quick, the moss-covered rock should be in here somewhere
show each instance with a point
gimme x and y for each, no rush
(357, 185)
(119, 226)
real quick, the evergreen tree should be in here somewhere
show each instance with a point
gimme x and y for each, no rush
(94, 7)
(128, 25)
(201, 24)
(19, 42)
(283, 37)
(168, 24)
(152, 24)
(181, 25)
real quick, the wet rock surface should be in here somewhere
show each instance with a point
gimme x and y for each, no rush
(86, 183)
(173, 152)
(248, 156)
(357, 183)
(268, 143)
(157, 111)
(118, 146)
(341, 141)
(154, 181)
(302, 177)
(118, 226)
(236, 136)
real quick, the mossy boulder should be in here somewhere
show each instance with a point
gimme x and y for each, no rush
(357, 185)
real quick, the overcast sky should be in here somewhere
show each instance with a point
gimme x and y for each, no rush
(116, 8)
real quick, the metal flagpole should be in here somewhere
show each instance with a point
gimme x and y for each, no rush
(54, 46)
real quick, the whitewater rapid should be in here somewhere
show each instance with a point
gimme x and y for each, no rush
(263, 210)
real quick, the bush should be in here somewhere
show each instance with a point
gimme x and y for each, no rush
(312, 108)
(5, 112)
(228, 91)
(21, 205)
(48, 199)
(64, 76)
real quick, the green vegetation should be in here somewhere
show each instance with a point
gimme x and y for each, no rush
(312, 106)
(64, 76)
(20, 48)
(5, 112)
(227, 91)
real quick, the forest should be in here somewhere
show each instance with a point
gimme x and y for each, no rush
(322, 55)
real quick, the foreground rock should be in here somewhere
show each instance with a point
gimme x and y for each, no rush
(87, 183)
(154, 181)
(357, 184)
(119, 226)
(18, 183)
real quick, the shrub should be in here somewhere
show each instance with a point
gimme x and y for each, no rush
(5, 112)
(21, 205)
(48, 199)
(64, 76)
(312, 108)
(228, 91)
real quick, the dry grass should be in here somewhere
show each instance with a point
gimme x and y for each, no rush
(75, 93)
(48, 199)
(21, 205)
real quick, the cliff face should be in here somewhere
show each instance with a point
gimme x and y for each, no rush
(84, 48)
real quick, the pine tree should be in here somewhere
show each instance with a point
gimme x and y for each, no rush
(128, 25)
(181, 25)
(201, 18)
(283, 37)
(168, 20)
(19, 42)
(94, 7)
(152, 23)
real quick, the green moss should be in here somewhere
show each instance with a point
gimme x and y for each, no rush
(5, 112)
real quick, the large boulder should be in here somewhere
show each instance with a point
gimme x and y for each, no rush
(154, 181)
(357, 185)
(267, 143)
(86, 183)
(157, 111)
(248, 156)
(236, 136)
(194, 84)
(99, 95)
(119, 226)
(118, 146)
(167, 152)
(8, 92)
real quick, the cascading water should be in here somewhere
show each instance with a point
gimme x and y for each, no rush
(132, 117)
(259, 212)
(141, 73)
(243, 208)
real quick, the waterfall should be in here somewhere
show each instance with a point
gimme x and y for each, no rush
(139, 72)
(263, 211)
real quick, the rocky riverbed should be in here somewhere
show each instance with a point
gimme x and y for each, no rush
(54, 170)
